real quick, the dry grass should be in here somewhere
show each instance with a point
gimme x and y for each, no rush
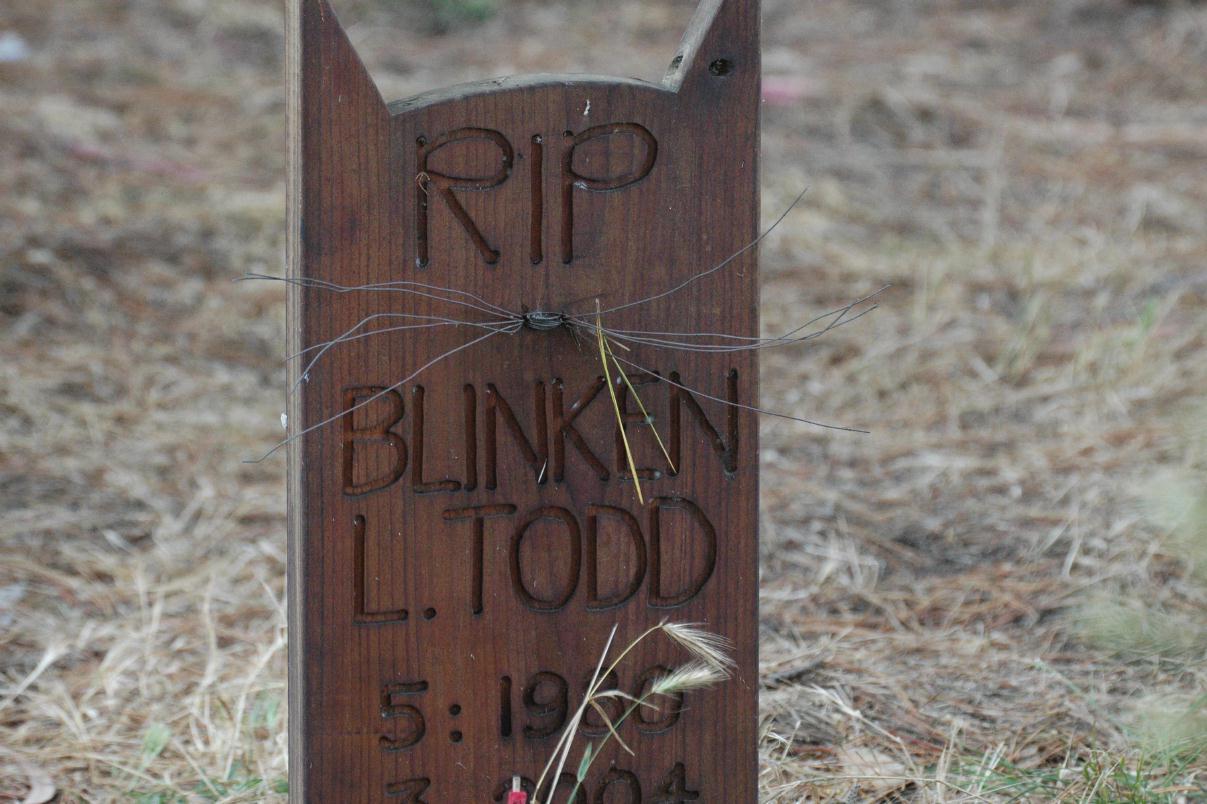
(1032, 177)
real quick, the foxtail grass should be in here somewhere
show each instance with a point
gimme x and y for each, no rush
(710, 664)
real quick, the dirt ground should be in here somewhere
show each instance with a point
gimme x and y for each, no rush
(1031, 179)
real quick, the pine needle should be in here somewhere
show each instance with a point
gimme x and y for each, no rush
(603, 358)
(640, 405)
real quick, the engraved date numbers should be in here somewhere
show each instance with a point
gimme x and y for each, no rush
(538, 708)
(615, 786)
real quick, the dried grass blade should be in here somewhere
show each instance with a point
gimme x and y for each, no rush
(566, 740)
(611, 727)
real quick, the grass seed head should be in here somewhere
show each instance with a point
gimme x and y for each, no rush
(691, 676)
(709, 648)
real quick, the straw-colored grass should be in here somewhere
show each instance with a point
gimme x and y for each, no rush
(1031, 177)
(709, 664)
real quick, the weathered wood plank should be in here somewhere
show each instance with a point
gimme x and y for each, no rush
(462, 546)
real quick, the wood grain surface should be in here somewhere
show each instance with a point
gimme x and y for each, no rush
(461, 547)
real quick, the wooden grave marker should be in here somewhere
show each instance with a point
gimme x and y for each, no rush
(461, 546)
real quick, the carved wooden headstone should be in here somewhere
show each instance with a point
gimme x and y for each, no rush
(462, 544)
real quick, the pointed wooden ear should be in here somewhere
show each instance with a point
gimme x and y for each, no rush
(340, 160)
(327, 62)
(721, 45)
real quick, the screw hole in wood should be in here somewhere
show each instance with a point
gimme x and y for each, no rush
(721, 67)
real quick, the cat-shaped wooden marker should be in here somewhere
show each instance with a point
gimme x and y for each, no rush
(462, 544)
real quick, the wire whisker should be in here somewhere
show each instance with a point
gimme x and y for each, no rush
(751, 408)
(841, 312)
(503, 321)
(401, 282)
(787, 336)
(379, 286)
(719, 348)
(349, 337)
(762, 343)
(434, 321)
(371, 399)
(726, 262)
(401, 286)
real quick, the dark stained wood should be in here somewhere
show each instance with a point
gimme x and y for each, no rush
(458, 553)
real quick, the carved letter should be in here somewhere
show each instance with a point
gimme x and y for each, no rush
(627, 779)
(418, 484)
(571, 178)
(551, 708)
(636, 565)
(666, 712)
(445, 185)
(681, 398)
(415, 726)
(479, 514)
(376, 433)
(536, 249)
(662, 598)
(595, 722)
(536, 457)
(361, 615)
(626, 415)
(574, 545)
(565, 429)
(471, 438)
(674, 788)
(413, 789)
(568, 781)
